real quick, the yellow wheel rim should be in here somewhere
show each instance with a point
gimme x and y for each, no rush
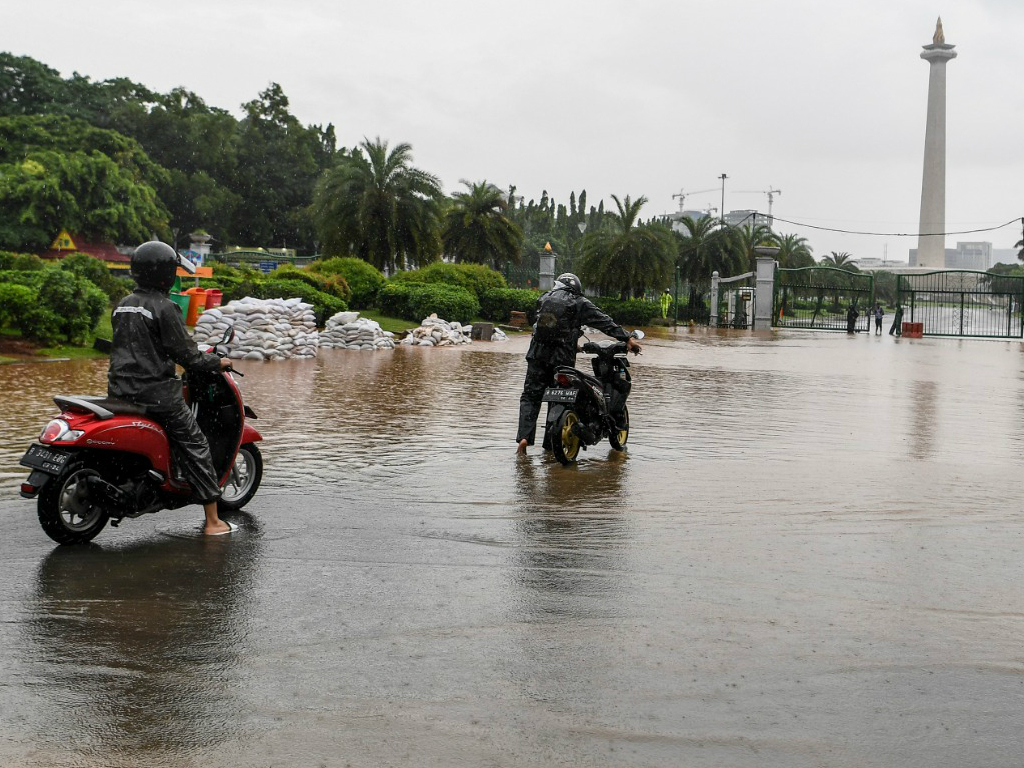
(570, 442)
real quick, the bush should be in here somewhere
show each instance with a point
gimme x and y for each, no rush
(7, 259)
(15, 302)
(27, 262)
(98, 274)
(324, 304)
(364, 280)
(629, 311)
(76, 302)
(22, 277)
(498, 304)
(475, 278)
(415, 302)
(332, 284)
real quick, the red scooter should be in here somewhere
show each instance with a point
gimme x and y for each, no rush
(101, 459)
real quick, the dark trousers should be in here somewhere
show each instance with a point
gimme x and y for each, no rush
(189, 447)
(878, 325)
(538, 378)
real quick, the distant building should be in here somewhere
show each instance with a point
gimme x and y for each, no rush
(747, 218)
(66, 244)
(978, 255)
(873, 265)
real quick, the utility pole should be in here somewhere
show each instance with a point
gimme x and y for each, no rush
(723, 177)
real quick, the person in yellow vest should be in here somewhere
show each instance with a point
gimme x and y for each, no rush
(666, 302)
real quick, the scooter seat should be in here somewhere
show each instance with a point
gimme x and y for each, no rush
(101, 407)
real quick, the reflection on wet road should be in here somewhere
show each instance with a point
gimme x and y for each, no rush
(809, 556)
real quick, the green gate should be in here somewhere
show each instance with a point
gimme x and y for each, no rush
(963, 303)
(819, 298)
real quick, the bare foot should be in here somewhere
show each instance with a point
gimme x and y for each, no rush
(216, 529)
(521, 450)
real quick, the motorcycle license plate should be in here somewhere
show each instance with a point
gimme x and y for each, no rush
(50, 460)
(560, 395)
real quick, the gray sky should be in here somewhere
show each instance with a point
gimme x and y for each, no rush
(823, 100)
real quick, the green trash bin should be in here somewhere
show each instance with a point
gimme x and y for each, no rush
(182, 301)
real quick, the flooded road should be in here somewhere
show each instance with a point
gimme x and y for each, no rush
(811, 555)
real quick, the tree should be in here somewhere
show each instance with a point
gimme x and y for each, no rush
(794, 252)
(705, 247)
(627, 258)
(748, 237)
(841, 260)
(375, 205)
(477, 229)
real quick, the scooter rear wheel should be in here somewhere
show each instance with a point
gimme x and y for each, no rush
(565, 443)
(619, 437)
(244, 480)
(65, 511)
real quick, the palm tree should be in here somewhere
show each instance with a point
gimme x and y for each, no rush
(841, 260)
(705, 247)
(749, 236)
(627, 258)
(477, 228)
(794, 252)
(375, 205)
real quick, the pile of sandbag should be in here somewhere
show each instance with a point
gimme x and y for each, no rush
(265, 329)
(435, 332)
(347, 330)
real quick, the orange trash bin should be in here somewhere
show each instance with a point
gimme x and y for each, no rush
(196, 303)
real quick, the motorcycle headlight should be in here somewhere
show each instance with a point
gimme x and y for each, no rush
(58, 430)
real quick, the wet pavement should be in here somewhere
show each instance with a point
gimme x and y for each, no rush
(810, 556)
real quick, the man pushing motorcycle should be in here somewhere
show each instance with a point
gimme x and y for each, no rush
(149, 338)
(561, 313)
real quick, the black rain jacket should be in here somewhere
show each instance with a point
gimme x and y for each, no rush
(564, 352)
(149, 338)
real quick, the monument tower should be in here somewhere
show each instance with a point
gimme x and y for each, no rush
(931, 247)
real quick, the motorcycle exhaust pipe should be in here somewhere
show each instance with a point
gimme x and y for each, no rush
(109, 495)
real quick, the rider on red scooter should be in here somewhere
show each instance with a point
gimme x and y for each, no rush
(149, 338)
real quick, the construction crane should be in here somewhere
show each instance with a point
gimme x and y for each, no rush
(770, 192)
(682, 196)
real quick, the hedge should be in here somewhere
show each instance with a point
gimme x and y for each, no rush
(473, 277)
(324, 304)
(629, 311)
(498, 304)
(415, 302)
(364, 280)
(98, 273)
(332, 284)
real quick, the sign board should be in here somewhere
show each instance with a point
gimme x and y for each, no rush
(267, 266)
(200, 272)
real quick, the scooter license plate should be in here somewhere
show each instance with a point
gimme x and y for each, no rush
(560, 395)
(51, 460)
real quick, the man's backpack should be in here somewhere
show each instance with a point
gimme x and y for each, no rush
(556, 317)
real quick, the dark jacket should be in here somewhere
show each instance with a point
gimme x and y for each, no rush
(564, 352)
(149, 338)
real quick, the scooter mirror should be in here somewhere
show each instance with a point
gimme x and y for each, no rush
(637, 334)
(228, 337)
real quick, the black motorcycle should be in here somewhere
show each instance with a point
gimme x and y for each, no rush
(583, 409)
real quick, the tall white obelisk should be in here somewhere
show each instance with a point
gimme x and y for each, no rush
(931, 247)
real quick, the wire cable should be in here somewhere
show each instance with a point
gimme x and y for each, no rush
(894, 234)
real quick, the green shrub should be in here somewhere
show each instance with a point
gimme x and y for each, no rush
(474, 277)
(332, 284)
(415, 302)
(27, 262)
(498, 304)
(15, 301)
(630, 311)
(98, 274)
(364, 280)
(7, 259)
(324, 304)
(77, 303)
(31, 278)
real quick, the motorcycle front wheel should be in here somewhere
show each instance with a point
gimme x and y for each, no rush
(618, 437)
(565, 443)
(244, 479)
(65, 511)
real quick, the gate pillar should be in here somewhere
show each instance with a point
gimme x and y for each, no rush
(547, 268)
(713, 320)
(764, 293)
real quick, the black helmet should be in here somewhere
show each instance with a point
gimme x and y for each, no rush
(154, 265)
(570, 282)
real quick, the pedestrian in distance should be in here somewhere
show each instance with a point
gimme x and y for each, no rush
(559, 316)
(879, 314)
(851, 319)
(666, 302)
(149, 338)
(897, 322)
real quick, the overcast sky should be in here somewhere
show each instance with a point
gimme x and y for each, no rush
(822, 100)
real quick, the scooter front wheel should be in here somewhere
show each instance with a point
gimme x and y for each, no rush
(243, 480)
(65, 511)
(618, 437)
(565, 442)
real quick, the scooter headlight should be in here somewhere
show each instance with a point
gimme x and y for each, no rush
(58, 430)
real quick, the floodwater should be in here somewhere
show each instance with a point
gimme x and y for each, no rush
(811, 555)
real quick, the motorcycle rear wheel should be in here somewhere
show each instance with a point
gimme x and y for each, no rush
(619, 437)
(244, 480)
(565, 443)
(65, 512)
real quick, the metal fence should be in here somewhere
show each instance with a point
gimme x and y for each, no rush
(819, 298)
(963, 303)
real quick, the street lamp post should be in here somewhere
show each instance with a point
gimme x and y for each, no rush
(723, 177)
